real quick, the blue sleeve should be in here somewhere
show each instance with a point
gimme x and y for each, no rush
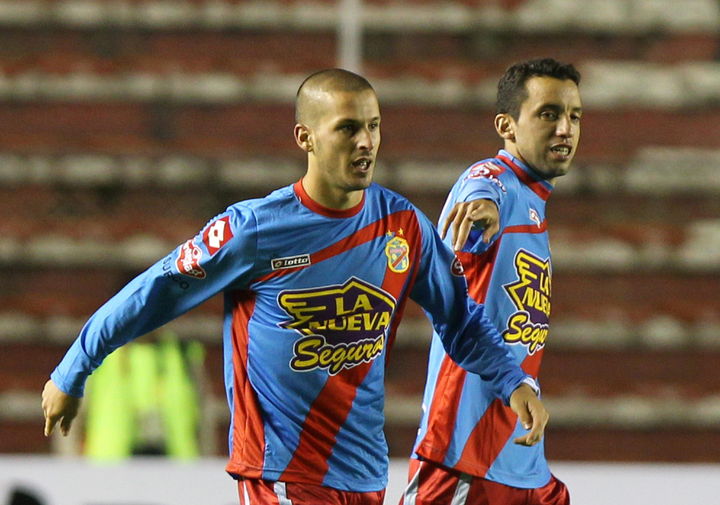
(466, 333)
(220, 257)
(487, 187)
(479, 186)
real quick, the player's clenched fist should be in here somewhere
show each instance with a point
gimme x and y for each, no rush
(464, 216)
(58, 406)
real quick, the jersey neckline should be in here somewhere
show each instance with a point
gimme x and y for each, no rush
(526, 175)
(321, 209)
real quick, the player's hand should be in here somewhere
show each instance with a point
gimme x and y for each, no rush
(58, 406)
(533, 416)
(464, 215)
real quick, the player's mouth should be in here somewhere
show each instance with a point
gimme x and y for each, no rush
(362, 164)
(561, 151)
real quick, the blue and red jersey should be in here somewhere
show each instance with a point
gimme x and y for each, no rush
(463, 426)
(312, 300)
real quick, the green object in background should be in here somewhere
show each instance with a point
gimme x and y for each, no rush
(143, 399)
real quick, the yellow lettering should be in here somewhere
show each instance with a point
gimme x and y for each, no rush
(333, 324)
(530, 298)
(325, 356)
(383, 321)
(340, 306)
(314, 352)
(512, 334)
(353, 322)
(315, 326)
(536, 300)
(353, 354)
(369, 320)
(522, 330)
(362, 303)
(524, 334)
(367, 349)
(545, 283)
(379, 346)
(305, 353)
(338, 360)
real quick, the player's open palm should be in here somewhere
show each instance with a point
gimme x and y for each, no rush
(532, 414)
(465, 216)
(58, 406)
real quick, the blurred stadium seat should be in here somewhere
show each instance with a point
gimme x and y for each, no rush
(126, 125)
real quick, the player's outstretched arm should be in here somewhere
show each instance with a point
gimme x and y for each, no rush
(533, 416)
(58, 406)
(464, 215)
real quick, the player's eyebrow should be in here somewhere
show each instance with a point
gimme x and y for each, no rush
(555, 107)
(354, 121)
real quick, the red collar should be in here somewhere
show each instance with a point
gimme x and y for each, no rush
(540, 188)
(322, 210)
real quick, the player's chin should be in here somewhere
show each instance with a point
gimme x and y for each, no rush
(556, 169)
(561, 170)
(362, 181)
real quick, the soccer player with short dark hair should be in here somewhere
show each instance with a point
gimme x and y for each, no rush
(464, 453)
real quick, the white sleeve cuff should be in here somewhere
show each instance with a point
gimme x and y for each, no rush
(533, 384)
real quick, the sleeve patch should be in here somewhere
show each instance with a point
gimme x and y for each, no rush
(217, 235)
(489, 171)
(188, 260)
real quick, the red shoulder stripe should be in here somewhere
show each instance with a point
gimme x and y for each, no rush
(536, 186)
(366, 234)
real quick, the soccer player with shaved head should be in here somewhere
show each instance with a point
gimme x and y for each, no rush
(464, 453)
(315, 277)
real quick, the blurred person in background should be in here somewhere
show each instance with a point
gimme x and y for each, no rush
(144, 400)
(496, 214)
(315, 277)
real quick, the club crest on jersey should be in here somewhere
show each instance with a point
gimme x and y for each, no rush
(530, 294)
(341, 325)
(217, 235)
(397, 251)
(188, 260)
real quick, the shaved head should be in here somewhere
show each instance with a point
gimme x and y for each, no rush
(314, 89)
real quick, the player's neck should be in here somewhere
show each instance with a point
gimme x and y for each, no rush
(329, 196)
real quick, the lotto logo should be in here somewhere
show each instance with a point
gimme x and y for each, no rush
(290, 262)
(217, 235)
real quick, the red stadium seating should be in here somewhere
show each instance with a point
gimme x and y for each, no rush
(122, 131)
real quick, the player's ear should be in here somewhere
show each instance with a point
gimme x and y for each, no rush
(504, 125)
(303, 137)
